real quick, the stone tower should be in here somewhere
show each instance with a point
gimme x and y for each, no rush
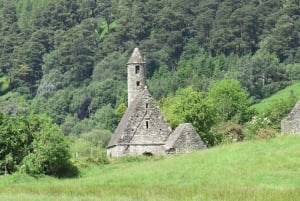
(143, 130)
(136, 67)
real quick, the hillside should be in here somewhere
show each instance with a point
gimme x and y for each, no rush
(253, 170)
(282, 95)
(63, 67)
(67, 59)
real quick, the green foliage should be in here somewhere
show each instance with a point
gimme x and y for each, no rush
(228, 132)
(91, 146)
(232, 102)
(33, 144)
(120, 110)
(188, 105)
(284, 40)
(285, 95)
(50, 153)
(280, 109)
(67, 59)
(104, 29)
(4, 85)
(255, 125)
(242, 171)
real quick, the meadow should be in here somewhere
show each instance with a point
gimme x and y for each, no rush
(253, 170)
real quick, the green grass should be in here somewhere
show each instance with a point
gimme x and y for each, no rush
(283, 94)
(258, 170)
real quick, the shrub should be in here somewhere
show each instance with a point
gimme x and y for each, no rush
(265, 134)
(227, 133)
(33, 144)
(257, 123)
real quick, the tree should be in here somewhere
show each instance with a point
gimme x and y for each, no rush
(15, 138)
(34, 144)
(106, 9)
(76, 48)
(50, 151)
(189, 106)
(245, 28)
(261, 74)
(284, 40)
(204, 21)
(230, 100)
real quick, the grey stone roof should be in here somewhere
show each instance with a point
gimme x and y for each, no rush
(125, 133)
(175, 135)
(295, 113)
(136, 57)
(123, 124)
(184, 130)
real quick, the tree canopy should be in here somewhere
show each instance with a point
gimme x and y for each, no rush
(67, 58)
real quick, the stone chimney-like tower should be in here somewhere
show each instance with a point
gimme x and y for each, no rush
(136, 67)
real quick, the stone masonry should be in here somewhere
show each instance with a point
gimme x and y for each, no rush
(143, 130)
(291, 124)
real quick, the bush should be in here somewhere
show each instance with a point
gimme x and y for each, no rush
(253, 127)
(34, 145)
(227, 133)
(265, 134)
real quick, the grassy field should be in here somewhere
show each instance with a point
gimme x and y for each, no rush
(258, 170)
(283, 94)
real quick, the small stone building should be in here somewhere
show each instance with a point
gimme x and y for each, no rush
(184, 139)
(291, 124)
(143, 130)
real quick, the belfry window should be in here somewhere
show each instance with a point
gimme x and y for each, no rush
(138, 83)
(147, 124)
(137, 69)
(147, 105)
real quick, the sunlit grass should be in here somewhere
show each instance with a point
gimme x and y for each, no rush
(283, 94)
(258, 170)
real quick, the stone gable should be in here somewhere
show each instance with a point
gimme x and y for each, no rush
(184, 139)
(291, 124)
(143, 129)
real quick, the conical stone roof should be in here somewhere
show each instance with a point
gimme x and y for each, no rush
(136, 57)
(185, 139)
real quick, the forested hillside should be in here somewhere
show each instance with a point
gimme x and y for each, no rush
(67, 58)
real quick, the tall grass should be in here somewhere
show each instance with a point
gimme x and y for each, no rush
(258, 170)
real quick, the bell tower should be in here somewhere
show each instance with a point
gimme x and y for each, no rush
(136, 81)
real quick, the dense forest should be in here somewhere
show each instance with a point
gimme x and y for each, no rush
(67, 59)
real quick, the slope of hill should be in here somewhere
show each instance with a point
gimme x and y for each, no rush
(284, 94)
(67, 59)
(260, 170)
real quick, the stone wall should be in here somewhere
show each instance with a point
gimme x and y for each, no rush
(136, 80)
(291, 124)
(143, 129)
(135, 150)
(147, 123)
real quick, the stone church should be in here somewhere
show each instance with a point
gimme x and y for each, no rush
(143, 130)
